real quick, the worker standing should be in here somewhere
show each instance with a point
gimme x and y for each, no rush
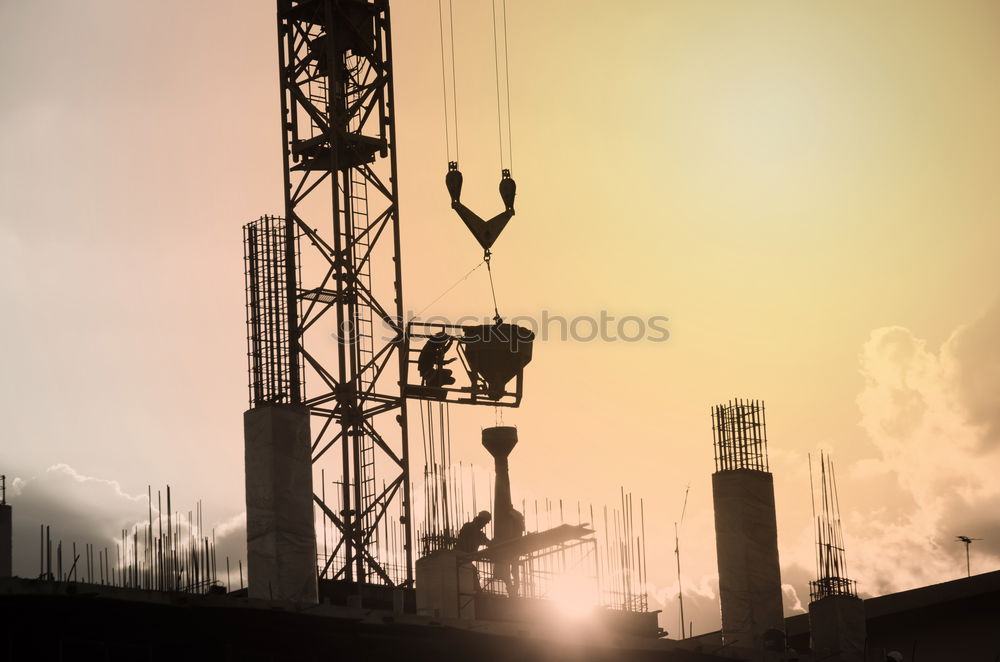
(506, 566)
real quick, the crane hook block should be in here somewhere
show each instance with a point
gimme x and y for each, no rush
(508, 188)
(485, 232)
(453, 180)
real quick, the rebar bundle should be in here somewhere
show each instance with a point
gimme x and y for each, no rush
(831, 559)
(739, 431)
(272, 376)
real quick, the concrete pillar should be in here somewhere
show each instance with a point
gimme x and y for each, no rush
(746, 539)
(281, 534)
(6, 542)
(837, 628)
(446, 588)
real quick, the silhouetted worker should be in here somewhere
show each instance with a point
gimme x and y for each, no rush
(431, 362)
(506, 567)
(471, 536)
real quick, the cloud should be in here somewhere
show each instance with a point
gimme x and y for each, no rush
(933, 418)
(231, 546)
(795, 579)
(76, 508)
(790, 598)
(975, 355)
(92, 510)
(705, 586)
(701, 604)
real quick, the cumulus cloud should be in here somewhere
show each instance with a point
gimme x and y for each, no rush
(790, 598)
(701, 603)
(231, 546)
(933, 417)
(75, 507)
(975, 356)
(795, 587)
(704, 587)
(92, 510)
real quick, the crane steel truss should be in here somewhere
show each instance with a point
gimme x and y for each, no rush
(340, 164)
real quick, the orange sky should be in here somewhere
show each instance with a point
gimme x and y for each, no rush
(806, 191)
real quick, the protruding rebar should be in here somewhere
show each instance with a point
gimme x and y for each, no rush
(739, 431)
(831, 558)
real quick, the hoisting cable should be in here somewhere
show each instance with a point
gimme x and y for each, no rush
(485, 231)
(489, 270)
(500, 100)
(505, 172)
(454, 85)
(506, 59)
(453, 286)
(444, 86)
(496, 71)
(444, 78)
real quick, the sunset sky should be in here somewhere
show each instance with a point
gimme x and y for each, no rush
(806, 190)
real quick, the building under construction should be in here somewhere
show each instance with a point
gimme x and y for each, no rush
(343, 558)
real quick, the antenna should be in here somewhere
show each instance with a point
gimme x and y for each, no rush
(968, 542)
(677, 553)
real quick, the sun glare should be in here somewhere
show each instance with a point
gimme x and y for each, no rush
(574, 597)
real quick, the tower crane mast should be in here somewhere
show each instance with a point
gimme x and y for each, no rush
(329, 350)
(339, 327)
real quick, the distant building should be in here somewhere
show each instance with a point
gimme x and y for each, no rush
(953, 621)
(956, 620)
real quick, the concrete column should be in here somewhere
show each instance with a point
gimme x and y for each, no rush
(837, 628)
(6, 542)
(281, 534)
(446, 586)
(746, 539)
